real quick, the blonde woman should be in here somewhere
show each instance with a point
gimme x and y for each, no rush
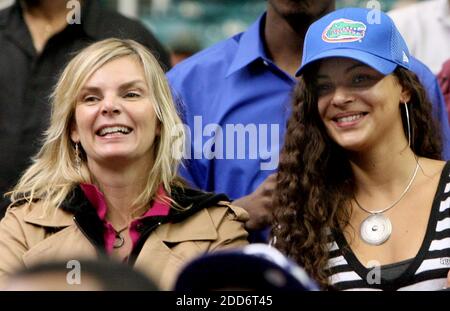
(104, 181)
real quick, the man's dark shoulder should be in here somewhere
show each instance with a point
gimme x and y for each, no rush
(112, 24)
(4, 13)
(215, 59)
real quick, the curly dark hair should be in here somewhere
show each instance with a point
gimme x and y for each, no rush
(315, 183)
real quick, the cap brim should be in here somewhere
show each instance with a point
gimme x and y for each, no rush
(380, 64)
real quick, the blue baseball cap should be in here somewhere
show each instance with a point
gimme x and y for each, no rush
(258, 267)
(368, 36)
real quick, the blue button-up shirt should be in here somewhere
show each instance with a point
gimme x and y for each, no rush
(232, 91)
(236, 103)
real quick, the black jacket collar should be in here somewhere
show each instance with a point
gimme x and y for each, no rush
(190, 199)
(87, 220)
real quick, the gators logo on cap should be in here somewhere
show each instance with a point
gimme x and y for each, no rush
(344, 30)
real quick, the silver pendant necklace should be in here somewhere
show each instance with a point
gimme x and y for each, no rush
(377, 228)
(119, 240)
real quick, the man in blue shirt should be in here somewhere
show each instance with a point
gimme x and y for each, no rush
(235, 98)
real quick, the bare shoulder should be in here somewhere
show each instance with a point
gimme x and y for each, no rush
(429, 176)
(430, 168)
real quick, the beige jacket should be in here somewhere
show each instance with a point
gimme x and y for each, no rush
(27, 237)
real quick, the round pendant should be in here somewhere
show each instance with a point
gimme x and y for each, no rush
(119, 241)
(376, 229)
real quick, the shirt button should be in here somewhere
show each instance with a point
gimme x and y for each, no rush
(265, 63)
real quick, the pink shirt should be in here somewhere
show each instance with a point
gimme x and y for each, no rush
(97, 200)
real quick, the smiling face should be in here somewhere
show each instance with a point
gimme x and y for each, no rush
(358, 105)
(115, 118)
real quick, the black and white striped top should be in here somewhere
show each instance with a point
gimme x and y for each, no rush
(427, 271)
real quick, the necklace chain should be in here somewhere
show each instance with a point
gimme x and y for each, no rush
(120, 231)
(398, 200)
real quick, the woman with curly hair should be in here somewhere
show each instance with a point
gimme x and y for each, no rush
(362, 200)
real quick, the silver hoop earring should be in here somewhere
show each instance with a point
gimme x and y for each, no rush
(408, 123)
(77, 159)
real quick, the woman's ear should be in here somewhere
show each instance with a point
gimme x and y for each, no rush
(158, 129)
(74, 136)
(405, 95)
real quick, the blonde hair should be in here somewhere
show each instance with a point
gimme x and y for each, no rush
(53, 174)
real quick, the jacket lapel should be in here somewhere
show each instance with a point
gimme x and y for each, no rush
(197, 227)
(65, 241)
(52, 218)
(67, 244)
(172, 245)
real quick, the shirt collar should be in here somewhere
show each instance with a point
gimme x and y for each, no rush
(97, 200)
(160, 206)
(251, 46)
